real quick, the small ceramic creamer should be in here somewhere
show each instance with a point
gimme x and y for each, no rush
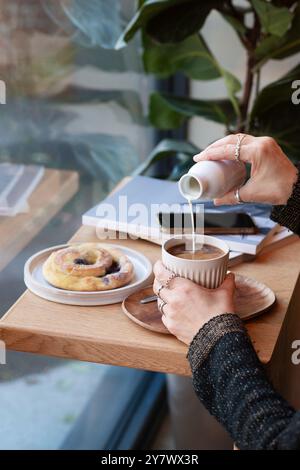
(208, 180)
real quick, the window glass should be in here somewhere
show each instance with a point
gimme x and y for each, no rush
(77, 109)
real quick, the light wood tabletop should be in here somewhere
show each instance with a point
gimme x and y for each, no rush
(54, 190)
(105, 335)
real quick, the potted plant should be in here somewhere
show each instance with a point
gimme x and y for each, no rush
(173, 43)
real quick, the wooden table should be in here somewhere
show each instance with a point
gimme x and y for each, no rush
(54, 190)
(105, 335)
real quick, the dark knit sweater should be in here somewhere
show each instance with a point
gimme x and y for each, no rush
(230, 380)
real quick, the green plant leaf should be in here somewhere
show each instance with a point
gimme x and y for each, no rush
(92, 23)
(168, 148)
(273, 47)
(168, 21)
(235, 23)
(128, 99)
(233, 85)
(275, 20)
(191, 56)
(274, 113)
(169, 112)
(181, 166)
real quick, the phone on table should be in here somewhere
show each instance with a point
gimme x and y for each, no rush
(214, 222)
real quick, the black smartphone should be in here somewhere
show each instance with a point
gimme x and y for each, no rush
(214, 222)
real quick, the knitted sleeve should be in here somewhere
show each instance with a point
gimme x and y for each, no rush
(289, 215)
(230, 381)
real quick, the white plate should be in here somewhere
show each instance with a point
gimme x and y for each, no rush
(35, 281)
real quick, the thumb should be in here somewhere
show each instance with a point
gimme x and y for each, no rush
(228, 198)
(229, 283)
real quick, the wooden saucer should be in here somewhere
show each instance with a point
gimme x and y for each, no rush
(252, 298)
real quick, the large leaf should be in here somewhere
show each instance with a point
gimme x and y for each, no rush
(276, 93)
(168, 148)
(36, 131)
(275, 20)
(92, 22)
(191, 56)
(168, 21)
(128, 99)
(233, 85)
(169, 112)
(274, 113)
(273, 47)
(236, 23)
(109, 155)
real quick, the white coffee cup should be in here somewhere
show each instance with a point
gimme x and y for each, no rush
(208, 273)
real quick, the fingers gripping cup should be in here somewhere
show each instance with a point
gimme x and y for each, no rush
(206, 266)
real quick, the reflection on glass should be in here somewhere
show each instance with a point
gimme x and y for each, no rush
(76, 108)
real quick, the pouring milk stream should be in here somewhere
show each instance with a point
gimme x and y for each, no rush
(207, 180)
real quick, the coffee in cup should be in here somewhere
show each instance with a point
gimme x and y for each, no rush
(206, 266)
(205, 252)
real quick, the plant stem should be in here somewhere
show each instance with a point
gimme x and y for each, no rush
(257, 85)
(242, 124)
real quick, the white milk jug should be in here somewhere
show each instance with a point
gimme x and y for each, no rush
(208, 180)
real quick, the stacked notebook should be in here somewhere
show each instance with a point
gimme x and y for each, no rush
(133, 209)
(17, 182)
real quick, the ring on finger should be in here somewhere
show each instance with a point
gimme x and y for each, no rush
(173, 275)
(161, 306)
(238, 197)
(158, 291)
(237, 151)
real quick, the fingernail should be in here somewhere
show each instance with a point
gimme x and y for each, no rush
(198, 156)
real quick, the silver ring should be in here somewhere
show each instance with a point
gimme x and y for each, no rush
(238, 197)
(161, 306)
(158, 291)
(237, 151)
(173, 275)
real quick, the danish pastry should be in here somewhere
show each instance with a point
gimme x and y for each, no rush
(88, 267)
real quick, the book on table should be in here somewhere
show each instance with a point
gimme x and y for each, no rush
(118, 212)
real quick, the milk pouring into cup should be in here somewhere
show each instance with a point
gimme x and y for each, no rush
(207, 180)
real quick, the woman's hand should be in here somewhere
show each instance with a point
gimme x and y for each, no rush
(272, 173)
(189, 306)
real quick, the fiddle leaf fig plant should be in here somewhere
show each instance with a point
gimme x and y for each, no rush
(173, 43)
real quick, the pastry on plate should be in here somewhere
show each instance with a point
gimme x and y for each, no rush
(88, 267)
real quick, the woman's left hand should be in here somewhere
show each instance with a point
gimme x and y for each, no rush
(188, 305)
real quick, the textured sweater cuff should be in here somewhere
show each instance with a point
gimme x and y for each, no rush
(289, 215)
(209, 335)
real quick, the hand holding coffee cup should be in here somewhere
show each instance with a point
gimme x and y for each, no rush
(192, 286)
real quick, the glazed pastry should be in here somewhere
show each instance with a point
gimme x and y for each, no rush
(88, 267)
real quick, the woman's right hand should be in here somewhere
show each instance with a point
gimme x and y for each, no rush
(272, 173)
